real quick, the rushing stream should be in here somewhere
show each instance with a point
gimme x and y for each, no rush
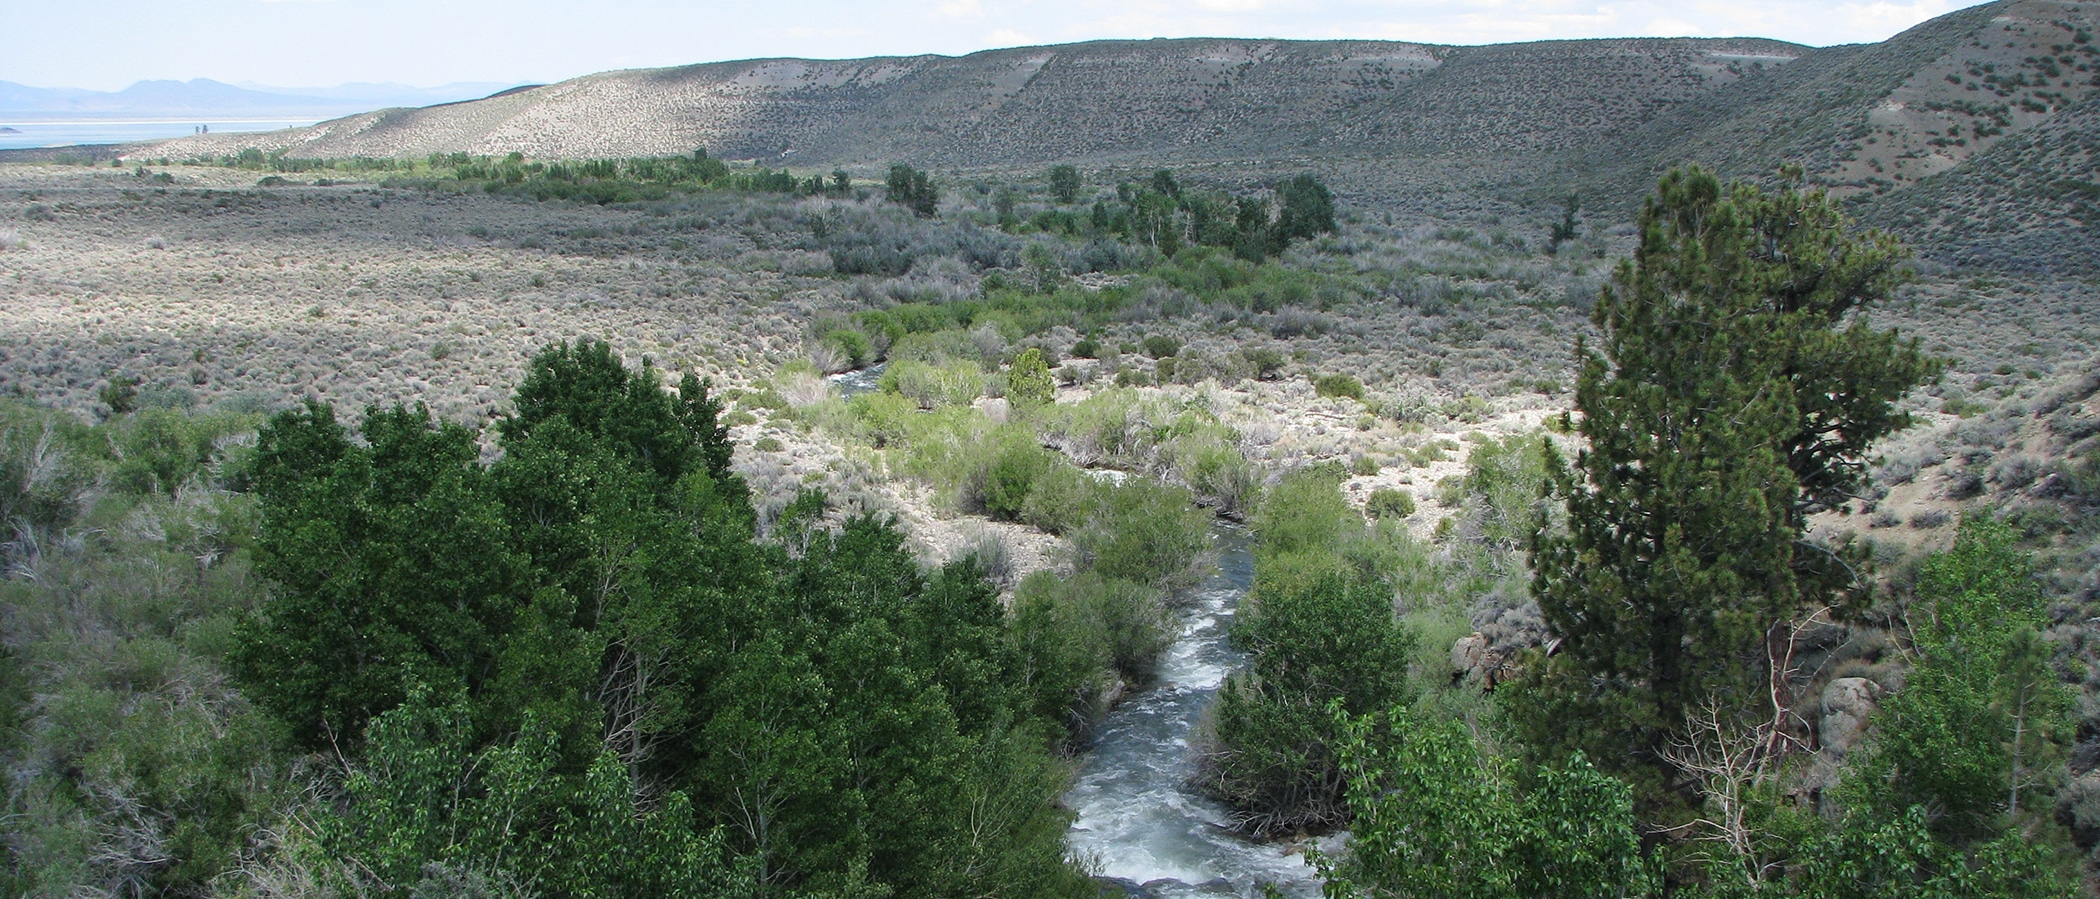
(858, 381)
(1139, 822)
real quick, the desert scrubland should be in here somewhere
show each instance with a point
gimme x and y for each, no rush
(215, 293)
(511, 498)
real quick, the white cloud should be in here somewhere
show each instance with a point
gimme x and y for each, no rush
(962, 8)
(1670, 26)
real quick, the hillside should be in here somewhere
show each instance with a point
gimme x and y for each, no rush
(1917, 128)
(2031, 202)
(1101, 100)
(1887, 120)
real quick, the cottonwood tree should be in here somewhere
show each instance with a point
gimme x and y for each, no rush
(1307, 209)
(1435, 816)
(1734, 391)
(1942, 801)
(1064, 183)
(1982, 716)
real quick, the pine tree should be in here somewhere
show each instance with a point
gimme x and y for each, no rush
(1735, 391)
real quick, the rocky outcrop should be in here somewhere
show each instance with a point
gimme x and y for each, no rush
(1848, 705)
(1481, 662)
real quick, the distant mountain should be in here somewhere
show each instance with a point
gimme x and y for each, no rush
(1194, 99)
(23, 98)
(1973, 135)
(203, 97)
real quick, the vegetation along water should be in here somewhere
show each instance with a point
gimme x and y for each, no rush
(1534, 517)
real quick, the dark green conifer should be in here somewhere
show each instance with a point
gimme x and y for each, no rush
(1734, 392)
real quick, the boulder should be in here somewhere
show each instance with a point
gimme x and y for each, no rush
(1848, 703)
(1469, 657)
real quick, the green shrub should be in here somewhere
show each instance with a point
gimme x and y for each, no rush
(1387, 502)
(1062, 654)
(1064, 184)
(1962, 407)
(1339, 385)
(121, 394)
(1063, 498)
(852, 346)
(1147, 533)
(1004, 474)
(1327, 639)
(1501, 492)
(1435, 815)
(956, 383)
(1128, 618)
(1209, 461)
(1304, 513)
(882, 419)
(424, 793)
(159, 450)
(120, 638)
(1028, 383)
(1470, 409)
(764, 398)
(1160, 346)
(1319, 630)
(1266, 361)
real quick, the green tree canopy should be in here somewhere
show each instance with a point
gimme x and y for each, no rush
(392, 565)
(1307, 210)
(1320, 635)
(1028, 382)
(1982, 714)
(1435, 816)
(1736, 389)
(912, 189)
(1064, 183)
(638, 697)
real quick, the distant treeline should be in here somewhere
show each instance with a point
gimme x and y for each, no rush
(1156, 212)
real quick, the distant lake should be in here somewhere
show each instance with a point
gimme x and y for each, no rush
(66, 134)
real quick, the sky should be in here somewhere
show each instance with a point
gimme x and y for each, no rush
(110, 44)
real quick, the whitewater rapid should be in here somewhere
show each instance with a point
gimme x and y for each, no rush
(1139, 822)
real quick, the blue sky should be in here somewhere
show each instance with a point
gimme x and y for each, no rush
(109, 44)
